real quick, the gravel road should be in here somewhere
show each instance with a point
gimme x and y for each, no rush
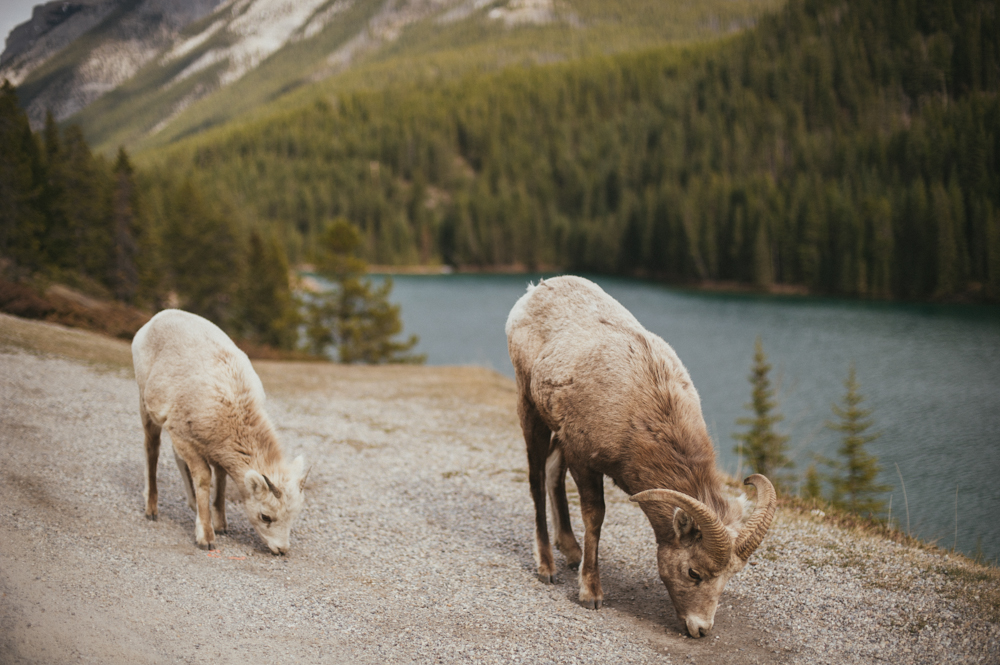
(414, 546)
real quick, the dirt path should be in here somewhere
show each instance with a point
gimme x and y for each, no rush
(415, 545)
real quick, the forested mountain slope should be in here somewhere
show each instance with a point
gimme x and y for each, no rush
(142, 73)
(844, 147)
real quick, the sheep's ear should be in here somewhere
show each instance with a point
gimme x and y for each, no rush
(684, 525)
(256, 484)
(297, 465)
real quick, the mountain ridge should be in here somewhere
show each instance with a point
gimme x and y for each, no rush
(91, 51)
(143, 73)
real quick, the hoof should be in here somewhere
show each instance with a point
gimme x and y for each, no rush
(573, 566)
(206, 546)
(593, 604)
(151, 517)
(547, 579)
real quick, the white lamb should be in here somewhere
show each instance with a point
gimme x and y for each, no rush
(195, 383)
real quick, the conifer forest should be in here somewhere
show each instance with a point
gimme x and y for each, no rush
(846, 148)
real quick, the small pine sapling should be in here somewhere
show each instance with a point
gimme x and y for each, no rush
(855, 473)
(355, 316)
(812, 488)
(761, 446)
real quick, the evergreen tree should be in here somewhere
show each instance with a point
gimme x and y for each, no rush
(355, 316)
(203, 255)
(87, 187)
(947, 253)
(22, 222)
(855, 487)
(812, 488)
(59, 234)
(367, 323)
(267, 308)
(124, 210)
(79, 232)
(762, 447)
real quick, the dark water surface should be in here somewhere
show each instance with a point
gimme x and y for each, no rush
(931, 374)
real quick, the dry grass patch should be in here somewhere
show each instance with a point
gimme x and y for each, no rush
(962, 578)
(473, 384)
(975, 584)
(56, 340)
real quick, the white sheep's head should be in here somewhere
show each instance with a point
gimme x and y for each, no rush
(697, 553)
(273, 502)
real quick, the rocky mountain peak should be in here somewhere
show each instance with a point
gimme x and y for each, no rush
(70, 53)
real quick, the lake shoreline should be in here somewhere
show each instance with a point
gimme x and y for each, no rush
(974, 295)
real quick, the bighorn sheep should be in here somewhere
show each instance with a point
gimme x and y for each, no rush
(600, 395)
(195, 383)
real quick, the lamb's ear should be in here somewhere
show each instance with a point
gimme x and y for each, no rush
(256, 484)
(684, 525)
(297, 465)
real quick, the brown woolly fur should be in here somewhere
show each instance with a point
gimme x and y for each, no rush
(599, 395)
(195, 383)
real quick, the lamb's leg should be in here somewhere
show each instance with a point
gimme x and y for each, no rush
(555, 483)
(201, 479)
(219, 504)
(537, 436)
(152, 445)
(186, 477)
(591, 488)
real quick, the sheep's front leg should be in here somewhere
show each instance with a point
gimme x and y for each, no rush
(201, 481)
(219, 504)
(591, 488)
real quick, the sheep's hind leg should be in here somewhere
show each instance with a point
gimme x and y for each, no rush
(152, 445)
(591, 488)
(555, 483)
(219, 503)
(537, 436)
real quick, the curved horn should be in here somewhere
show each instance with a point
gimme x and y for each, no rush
(760, 521)
(717, 541)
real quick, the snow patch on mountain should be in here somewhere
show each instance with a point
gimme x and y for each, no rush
(259, 28)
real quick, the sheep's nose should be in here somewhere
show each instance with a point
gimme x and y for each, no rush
(698, 627)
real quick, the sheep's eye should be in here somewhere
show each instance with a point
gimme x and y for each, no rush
(264, 518)
(693, 575)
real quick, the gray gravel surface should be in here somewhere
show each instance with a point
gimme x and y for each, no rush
(415, 544)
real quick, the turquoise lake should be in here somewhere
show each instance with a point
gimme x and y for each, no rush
(930, 373)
